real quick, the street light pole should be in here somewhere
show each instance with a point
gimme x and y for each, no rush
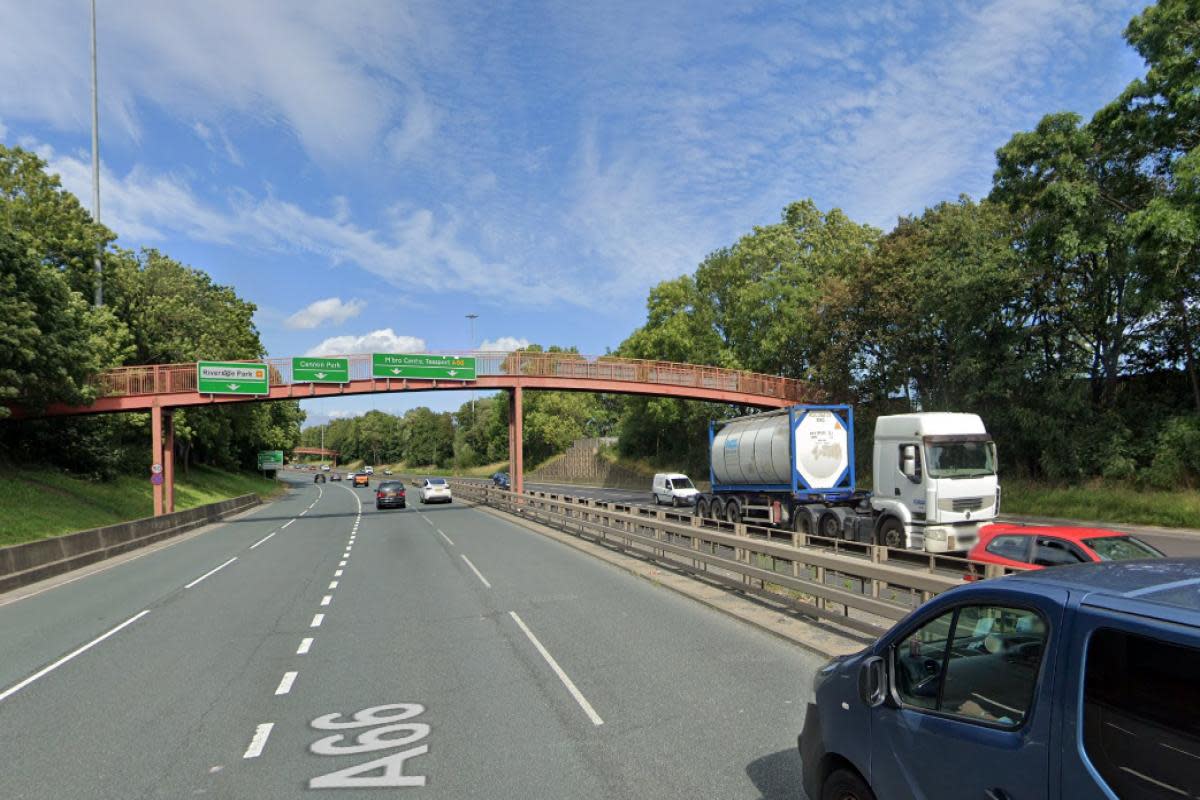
(471, 318)
(99, 299)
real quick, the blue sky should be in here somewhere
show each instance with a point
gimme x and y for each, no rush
(369, 172)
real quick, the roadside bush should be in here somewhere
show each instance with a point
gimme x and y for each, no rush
(1176, 461)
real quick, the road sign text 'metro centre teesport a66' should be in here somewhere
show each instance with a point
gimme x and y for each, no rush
(423, 367)
(232, 377)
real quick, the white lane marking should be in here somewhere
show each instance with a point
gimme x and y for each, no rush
(259, 741)
(326, 600)
(337, 573)
(449, 541)
(427, 520)
(284, 525)
(285, 685)
(341, 563)
(317, 620)
(562, 676)
(478, 574)
(333, 584)
(305, 644)
(263, 539)
(305, 511)
(78, 651)
(210, 572)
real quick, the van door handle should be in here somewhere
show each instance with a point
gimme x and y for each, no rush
(997, 794)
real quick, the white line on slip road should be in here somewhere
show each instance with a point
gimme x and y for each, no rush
(263, 539)
(478, 574)
(333, 584)
(289, 522)
(317, 620)
(427, 520)
(46, 670)
(337, 573)
(562, 676)
(285, 685)
(259, 741)
(211, 571)
(326, 600)
(305, 643)
(305, 511)
(341, 563)
(449, 541)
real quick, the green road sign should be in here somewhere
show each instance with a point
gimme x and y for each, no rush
(320, 370)
(221, 377)
(270, 459)
(410, 365)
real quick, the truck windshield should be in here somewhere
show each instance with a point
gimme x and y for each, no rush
(961, 459)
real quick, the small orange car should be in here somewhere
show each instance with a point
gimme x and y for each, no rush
(362, 479)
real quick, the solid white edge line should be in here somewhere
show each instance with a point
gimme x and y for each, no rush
(449, 541)
(326, 600)
(263, 539)
(259, 741)
(478, 574)
(317, 620)
(210, 572)
(562, 676)
(284, 525)
(9, 692)
(305, 644)
(285, 684)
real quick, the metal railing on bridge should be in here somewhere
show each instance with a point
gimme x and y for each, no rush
(172, 378)
(852, 585)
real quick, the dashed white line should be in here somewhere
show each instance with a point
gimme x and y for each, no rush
(263, 539)
(427, 520)
(259, 741)
(210, 572)
(478, 574)
(305, 511)
(449, 541)
(285, 685)
(317, 620)
(305, 644)
(326, 600)
(562, 676)
(78, 651)
(333, 584)
(284, 525)
(337, 573)
(341, 563)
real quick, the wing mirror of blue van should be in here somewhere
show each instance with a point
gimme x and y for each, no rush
(872, 681)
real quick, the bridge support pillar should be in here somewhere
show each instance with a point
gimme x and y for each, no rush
(516, 448)
(156, 451)
(168, 463)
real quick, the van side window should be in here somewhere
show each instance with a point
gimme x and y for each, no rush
(1140, 726)
(977, 662)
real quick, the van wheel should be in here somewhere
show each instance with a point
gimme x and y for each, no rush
(891, 533)
(831, 526)
(843, 784)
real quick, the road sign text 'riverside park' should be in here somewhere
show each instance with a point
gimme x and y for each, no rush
(232, 377)
(424, 367)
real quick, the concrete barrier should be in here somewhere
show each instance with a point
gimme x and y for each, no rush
(23, 564)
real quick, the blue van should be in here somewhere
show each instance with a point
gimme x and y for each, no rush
(1076, 682)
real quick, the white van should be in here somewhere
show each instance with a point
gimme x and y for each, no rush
(674, 488)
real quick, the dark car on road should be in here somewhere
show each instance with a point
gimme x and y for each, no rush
(500, 480)
(390, 494)
(1075, 682)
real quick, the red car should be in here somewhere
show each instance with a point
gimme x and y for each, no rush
(1038, 546)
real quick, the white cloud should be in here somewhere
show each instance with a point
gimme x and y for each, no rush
(384, 340)
(345, 413)
(504, 344)
(319, 312)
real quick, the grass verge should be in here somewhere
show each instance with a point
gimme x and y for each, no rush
(39, 502)
(1103, 503)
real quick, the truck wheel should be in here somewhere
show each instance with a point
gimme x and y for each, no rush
(891, 533)
(831, 526)
(733, 511)
(843, 784)
(802, 521)
(718, 509)
(702, 508)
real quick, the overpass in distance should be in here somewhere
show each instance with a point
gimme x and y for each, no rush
(161, 388)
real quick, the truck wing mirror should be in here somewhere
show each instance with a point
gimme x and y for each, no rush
(908, 461)
(872, 681)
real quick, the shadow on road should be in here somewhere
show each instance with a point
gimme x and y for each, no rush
(777, 776)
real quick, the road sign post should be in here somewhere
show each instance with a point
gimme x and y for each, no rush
(422, 367)
(320, 370)
(232, 377)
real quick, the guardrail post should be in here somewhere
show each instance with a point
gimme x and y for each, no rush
(659, 533)
(741, 554)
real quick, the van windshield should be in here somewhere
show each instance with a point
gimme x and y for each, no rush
(961, 459)
(680, 483)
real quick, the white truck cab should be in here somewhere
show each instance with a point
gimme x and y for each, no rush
(935, 477)
(674, 488)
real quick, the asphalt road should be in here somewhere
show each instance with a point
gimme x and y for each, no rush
(1173, 543)
(431, 651)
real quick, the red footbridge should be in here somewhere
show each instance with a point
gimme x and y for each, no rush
(161, 388)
